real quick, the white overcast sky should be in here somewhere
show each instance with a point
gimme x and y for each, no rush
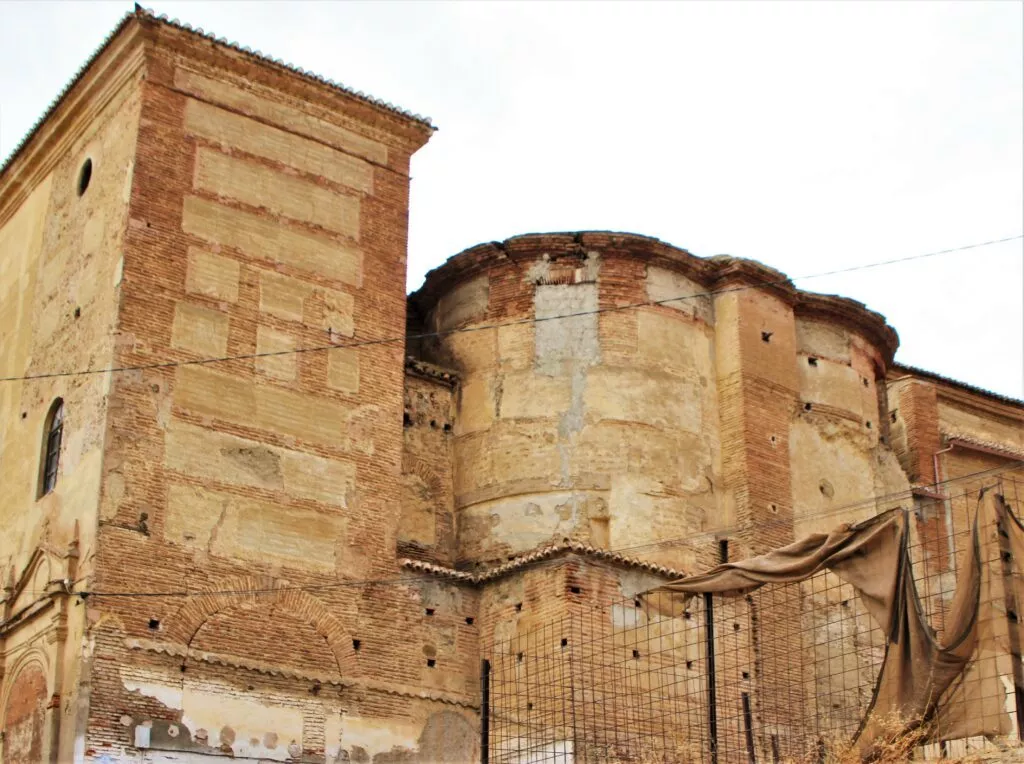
(810, 136)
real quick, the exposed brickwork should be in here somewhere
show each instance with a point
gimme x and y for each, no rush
(427, 526)
(24, 716)
(914, 422)
(238, 208)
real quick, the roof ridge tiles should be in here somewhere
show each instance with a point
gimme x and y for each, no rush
(543, 552)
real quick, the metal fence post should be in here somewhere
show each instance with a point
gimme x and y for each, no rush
(709, 646)
(485, 711)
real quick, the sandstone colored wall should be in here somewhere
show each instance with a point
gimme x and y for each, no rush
(839, 436)
(748, 411)
(60, 269)
(598, 428)
(426, 529)
(964, 441)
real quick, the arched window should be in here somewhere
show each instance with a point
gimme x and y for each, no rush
(51, 447)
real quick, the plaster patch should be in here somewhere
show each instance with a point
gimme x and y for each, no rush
(311, 157)
(465, 303)
(212, 275)
(281, 366)
(572, 339)
(281, 194)
(200, 329)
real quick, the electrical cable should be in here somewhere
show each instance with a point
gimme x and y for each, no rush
(886, 498)
(484, 327)
(416, 579)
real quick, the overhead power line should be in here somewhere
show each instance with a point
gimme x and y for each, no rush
(484, 327)
(992, 472)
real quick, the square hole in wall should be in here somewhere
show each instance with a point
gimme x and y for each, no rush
(431, 663)
(469, 620)
(356, 644)
(154, 623)
(429, 611)
(575, 589)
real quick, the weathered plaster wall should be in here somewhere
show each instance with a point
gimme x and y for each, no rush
(60, 261)
(740, 411)
(426, 528)
(959, 439)
(597, 428)
(839, 436)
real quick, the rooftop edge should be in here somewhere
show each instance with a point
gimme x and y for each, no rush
(143, 14)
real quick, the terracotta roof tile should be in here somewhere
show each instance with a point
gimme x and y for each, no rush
(546, 552)
(424, 369)
(914, 371)
(1012, 452)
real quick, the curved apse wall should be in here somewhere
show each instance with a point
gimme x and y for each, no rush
(625, 426)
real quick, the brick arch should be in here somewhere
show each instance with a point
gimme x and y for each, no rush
(23, 709)
(262, 590)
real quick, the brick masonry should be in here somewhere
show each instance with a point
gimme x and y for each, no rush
(239, 208)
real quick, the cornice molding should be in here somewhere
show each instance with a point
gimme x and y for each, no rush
(417, 368)
(955, 391)
(175, 650)
(720, 273)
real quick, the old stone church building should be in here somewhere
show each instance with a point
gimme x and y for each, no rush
(284, 508)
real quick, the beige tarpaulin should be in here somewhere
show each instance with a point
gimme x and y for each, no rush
(918, 669)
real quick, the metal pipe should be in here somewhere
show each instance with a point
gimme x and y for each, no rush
(946, 503)
(748, 728)
(935, 462)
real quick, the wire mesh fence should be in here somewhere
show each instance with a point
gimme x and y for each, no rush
(787, 672)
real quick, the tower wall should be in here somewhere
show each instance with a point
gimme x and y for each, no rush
(63, 214)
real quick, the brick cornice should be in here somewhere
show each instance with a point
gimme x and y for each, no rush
(716, 274)
(552, 551)
(330, 100)
(854, 316)
(176, 650)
